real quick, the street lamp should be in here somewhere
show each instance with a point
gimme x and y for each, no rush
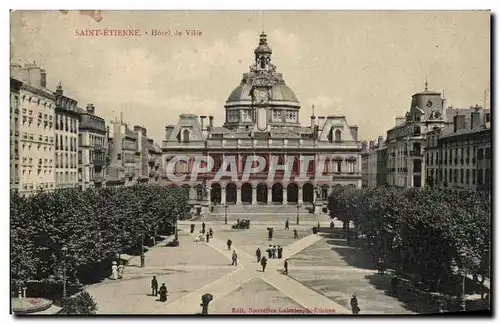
(457, 270)
(176, 228)
(298, 206)
(64, 294)
(142, 245)
(225, 213)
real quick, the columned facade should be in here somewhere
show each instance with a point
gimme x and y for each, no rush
(301, 163)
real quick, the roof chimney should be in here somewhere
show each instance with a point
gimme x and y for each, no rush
(43, 79)
(202, 120)
(211, 122)
(90, 108)
(59, 89)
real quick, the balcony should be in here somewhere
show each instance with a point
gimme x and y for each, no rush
(417, 153)
(98, 179)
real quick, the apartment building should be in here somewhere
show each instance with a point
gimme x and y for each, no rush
(32, 125)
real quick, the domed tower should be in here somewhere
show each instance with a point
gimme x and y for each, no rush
(262, 101)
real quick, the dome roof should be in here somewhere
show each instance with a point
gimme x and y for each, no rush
(280, 92)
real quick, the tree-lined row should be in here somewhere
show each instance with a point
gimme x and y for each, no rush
(428, 232)
(82, 229)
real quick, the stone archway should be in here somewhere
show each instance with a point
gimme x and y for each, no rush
(246, 193)
(231, 193)
(216, 193)
(262, 193)
(277, 193)
(292, 193)
(308, 193)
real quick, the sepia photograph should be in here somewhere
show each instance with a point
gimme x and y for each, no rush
(250, 162)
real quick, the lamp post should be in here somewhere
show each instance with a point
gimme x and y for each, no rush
(176, 228)
(64, 294)
(225, 213)
(462, 273)
(298, 206)
(142, 245)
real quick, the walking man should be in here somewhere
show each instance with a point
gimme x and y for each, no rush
(154, 286)
(280, 252)
(203, 228)
(235, 258)
(263, 263)
(258, 254)
(208, 237)
(229, 242)
(394, 283)
(211, 233)
(354, 305)
(274, 252)
(269, 252)
(287, 225)
(286, 267)
(295, 234)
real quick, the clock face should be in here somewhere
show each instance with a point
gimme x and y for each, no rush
(260, 95)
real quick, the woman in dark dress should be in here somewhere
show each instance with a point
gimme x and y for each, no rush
(163, 293)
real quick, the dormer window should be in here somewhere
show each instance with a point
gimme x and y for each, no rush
(185, 136)
(338, 136)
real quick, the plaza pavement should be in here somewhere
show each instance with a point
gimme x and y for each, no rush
(323, 274)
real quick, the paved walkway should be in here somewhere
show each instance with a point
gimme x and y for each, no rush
(323, 274)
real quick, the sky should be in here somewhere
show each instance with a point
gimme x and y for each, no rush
(364, 65)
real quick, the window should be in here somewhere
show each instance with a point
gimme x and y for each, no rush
(473, 176)
(276, 116)
(455, 176)
(119, 157)
(291, 115)
(480, 154)
(185, 136)
(467, 175)
(461, 175)
(338, 166)
(487, 176)
(246, 115)
(338, 136)
(233, 115)
(450, 176)
(480, 176)
(487, 153)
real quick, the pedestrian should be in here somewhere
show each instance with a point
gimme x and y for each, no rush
(263, 263)
(154, 286)
(192, 228)
(229, 243)
(270, 252)
(208, 237)
(286, 267)
(354, 305)
(295, 234)
(332, 225)
(163, 293)
(258, 254)
(394, 283)
(274, 252)
(211, 233)
(120, 269)
(380, 266)
(287, 225)
(269, 233)
(203, 228)
(280, 252)
(318, 226)
(235, 258)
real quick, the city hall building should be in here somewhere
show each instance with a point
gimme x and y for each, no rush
(262, 120)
